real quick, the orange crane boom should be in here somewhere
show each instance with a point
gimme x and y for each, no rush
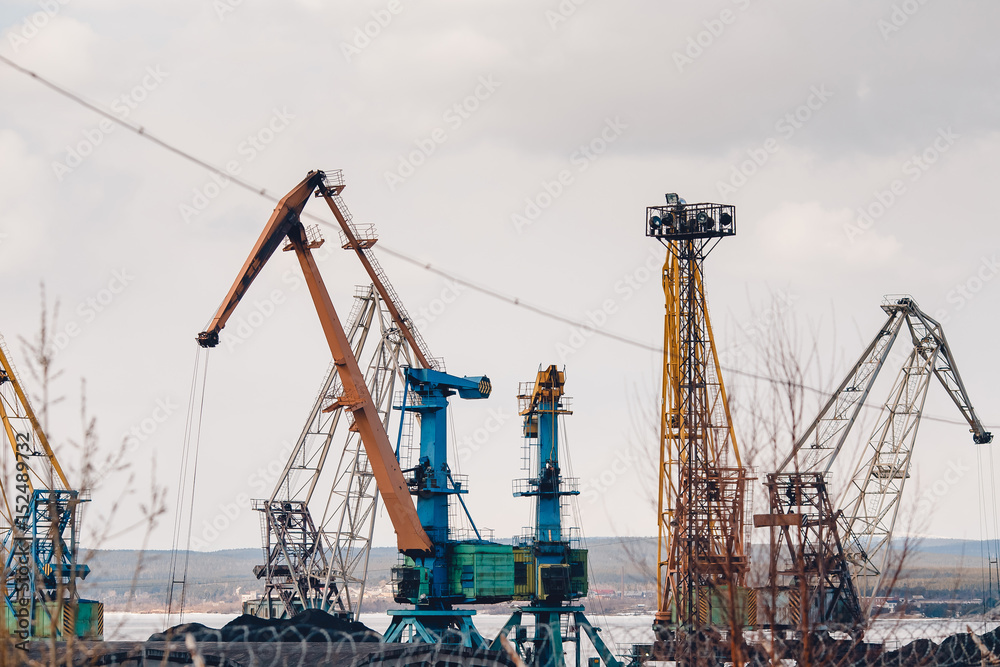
(374, 271)
(285, 223)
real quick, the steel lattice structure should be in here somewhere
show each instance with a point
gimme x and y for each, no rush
(702, 533)
(834, 556)
(39, 527)
(310, 563)
(323, 564)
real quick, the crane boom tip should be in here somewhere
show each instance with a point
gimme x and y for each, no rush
(208, 338)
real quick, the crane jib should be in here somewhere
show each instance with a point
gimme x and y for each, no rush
(285, 223)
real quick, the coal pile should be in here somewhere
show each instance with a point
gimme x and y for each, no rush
(957, 650)
(312, 625)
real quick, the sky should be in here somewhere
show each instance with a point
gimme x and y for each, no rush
(515, 145)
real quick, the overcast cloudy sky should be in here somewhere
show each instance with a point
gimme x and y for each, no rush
(515, 144)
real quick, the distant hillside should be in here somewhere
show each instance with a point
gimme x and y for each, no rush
(126, 580)
(933, 567)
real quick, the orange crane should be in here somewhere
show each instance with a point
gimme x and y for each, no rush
(440, 568)
(285, 224)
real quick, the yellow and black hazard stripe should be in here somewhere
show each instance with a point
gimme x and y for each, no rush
(703, 607)
(794, 605)
(69, 620)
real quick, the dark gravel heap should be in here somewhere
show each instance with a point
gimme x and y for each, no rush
(312, 625)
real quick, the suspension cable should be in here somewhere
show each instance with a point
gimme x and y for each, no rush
(189, 461)
(984, 541)
(996, 527)
(578, 518)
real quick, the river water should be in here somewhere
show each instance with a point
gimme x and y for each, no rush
(619, 632)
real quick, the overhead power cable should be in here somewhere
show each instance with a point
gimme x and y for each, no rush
(427, 266)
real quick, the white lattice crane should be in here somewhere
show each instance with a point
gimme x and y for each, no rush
(828, 560)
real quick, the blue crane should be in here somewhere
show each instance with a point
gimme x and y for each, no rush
(457, 571)
(549, 573)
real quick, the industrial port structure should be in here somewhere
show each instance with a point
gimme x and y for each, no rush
(440, 569)
(827, 557)
(828, 561)
(311, 566)
(825, 562)
(39, 529)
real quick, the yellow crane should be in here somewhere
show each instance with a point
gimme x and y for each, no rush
(703, 557)
(39, 531)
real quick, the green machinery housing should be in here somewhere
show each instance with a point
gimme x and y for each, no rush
(483, 572)
(461, 569)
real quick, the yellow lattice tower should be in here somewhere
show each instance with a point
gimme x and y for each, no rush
(703, 559)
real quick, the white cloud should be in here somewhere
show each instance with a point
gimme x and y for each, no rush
(61, 44)
(806, 236)
(26, 210)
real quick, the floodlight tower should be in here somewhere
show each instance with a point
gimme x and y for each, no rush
(703, 559)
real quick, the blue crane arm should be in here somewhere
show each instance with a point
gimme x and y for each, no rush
(467, 387)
